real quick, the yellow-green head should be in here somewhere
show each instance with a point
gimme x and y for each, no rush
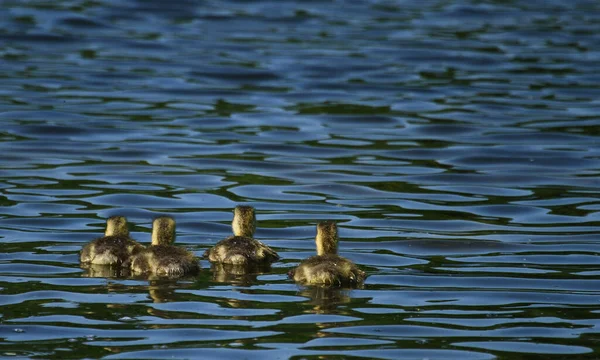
(163, 231)
(327, 238)
(116, 226)
(244, 221)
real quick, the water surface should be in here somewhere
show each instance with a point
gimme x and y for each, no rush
(455, 143)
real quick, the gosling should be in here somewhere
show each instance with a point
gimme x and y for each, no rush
(242, 249)
(327, 268)
(114, 248)
(162, 258)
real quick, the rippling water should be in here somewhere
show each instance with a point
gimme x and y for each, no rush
(455, 143)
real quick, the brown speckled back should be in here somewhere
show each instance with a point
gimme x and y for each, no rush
(241, 250)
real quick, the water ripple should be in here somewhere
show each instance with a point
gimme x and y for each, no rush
(455, 143)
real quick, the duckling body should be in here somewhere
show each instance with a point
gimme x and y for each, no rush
(165, 260)
(327, 268)
(242, 249)
(115, 248)
(162, 258)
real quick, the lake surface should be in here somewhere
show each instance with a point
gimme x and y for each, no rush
(456, 143)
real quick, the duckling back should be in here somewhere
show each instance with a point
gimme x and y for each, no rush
(327, 270)
(241, 250)
(165, 260)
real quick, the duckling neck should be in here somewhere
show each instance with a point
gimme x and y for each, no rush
(112, 230)
(242, 231)
(161, 239)
(326, 246)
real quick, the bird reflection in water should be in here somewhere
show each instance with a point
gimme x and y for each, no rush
(104, 271)
(326, 299)
(163, 290)
(240, 275)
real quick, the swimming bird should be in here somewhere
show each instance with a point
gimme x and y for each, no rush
(242, 249)
(162, 258)
(114, 248)
(327, 268)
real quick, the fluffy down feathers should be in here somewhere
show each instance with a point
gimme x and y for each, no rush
(327, 270)
(241, 250)
(165, 260)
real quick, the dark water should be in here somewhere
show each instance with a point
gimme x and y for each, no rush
(455, 142)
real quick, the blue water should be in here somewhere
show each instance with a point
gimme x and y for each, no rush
(455, 143)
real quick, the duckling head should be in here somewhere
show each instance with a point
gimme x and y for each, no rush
(116, 226)
(163, 231)
(327, 238)
(244, 221)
